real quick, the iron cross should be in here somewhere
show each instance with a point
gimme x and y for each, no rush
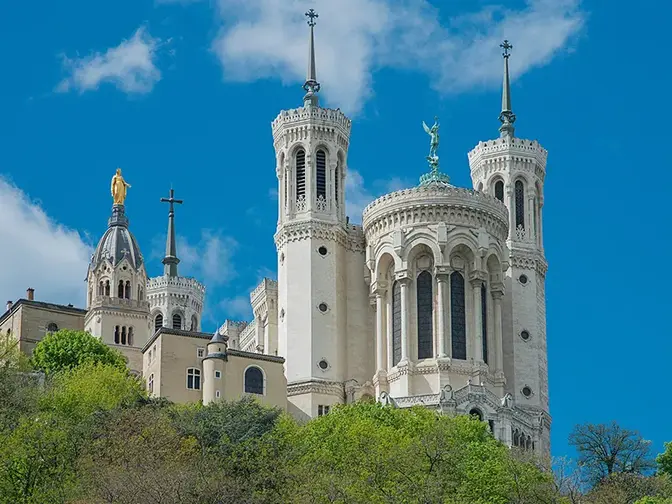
(506, 46)
(171, 200)
(312, 15)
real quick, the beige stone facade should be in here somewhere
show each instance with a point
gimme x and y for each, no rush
(189, 366)
(29, 320)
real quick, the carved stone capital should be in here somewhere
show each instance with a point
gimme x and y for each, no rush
(497, 290)
(379, 288)
(477, 278)
(442, 273)
(402, 276)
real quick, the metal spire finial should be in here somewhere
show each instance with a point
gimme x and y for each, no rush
(506, 116)
(171, 261)
(311, 85)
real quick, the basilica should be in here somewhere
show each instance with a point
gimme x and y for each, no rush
(437, 299)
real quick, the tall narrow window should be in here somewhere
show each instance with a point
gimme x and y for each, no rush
(150, 383)
(158, 322)
(425, 302)
(123, 335)
(337, 176)
(117, 335)
(499, 190)
(177, 321)
(101, 289)
(484, 321)
(254, 381)
(139, 294)
(194, 379)
(300, 175)
(458, 329)
(520, 204)
(194, 323)
(130, 337)
(107, 287)
(127, 290)
(321, 174)
(396, 323)
(120, 289)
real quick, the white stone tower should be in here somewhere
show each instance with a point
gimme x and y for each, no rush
(118, 312)
(175, 301)
(513, 170)
(320, 256)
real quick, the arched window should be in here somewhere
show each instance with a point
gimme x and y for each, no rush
(396, 323)
(458, 329)
(123, 335)
(194, 323)
(516, 438)
(475, 412)
(101, 289)
(425, 301)
(484, 321)
(321, 175)
(254, 381)
(127, 290)
(194, 379)
(337, 176)
(130, 336)
(177, 321)
(107, 287)
(158, 322)
(120, 289)
(300, 174)
(51, 327)
(520, 204)
(499, 190)
(117, 335)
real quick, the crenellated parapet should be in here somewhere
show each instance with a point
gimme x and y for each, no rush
(320, 124)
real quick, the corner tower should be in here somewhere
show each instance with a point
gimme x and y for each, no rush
(174, 301)
(513, 170)
(118, 312)
(320, 256)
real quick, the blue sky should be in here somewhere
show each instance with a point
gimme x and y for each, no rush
(183, 93)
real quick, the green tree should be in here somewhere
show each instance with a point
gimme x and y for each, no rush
(606, 449)
(67, 349)
(19, 388)
(664, 460)
(628, 488)
(375, 454)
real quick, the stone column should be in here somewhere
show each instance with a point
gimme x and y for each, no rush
(497, 302)
(405, 343)
(441, 279)
(478, 319)
(530, 230)
(379, 294)
(388, 331)
(540, 220)
(267, 334)
(512, 212)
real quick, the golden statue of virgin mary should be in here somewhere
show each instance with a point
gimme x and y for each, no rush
(118, 188)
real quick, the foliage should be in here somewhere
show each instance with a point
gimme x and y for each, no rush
(65, 349)
(654, 500)
(78, 393)
(606, 449)
(628, 488)
(18, 387)
(664, 460)
(369, 453)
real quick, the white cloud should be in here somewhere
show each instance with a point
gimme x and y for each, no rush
(38, 252)
(210, 260)
(237, 308)
(358, 195)
(268, 38)
(130, 66)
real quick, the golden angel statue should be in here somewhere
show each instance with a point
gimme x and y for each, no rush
(118, 188)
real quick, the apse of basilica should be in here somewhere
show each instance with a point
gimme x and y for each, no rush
(437, 299)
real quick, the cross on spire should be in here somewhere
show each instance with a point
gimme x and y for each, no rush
(506, 116)
(312, 16)
(170, 261)
(311, 86)
(506, 46)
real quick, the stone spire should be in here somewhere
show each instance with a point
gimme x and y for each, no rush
(506, 117)
(311, 85)
(170, 261)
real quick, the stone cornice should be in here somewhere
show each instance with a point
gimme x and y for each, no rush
(534, 261)
(349, 237)
(433, 205)
(323, 387)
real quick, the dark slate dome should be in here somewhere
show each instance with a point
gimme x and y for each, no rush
(117, 242)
